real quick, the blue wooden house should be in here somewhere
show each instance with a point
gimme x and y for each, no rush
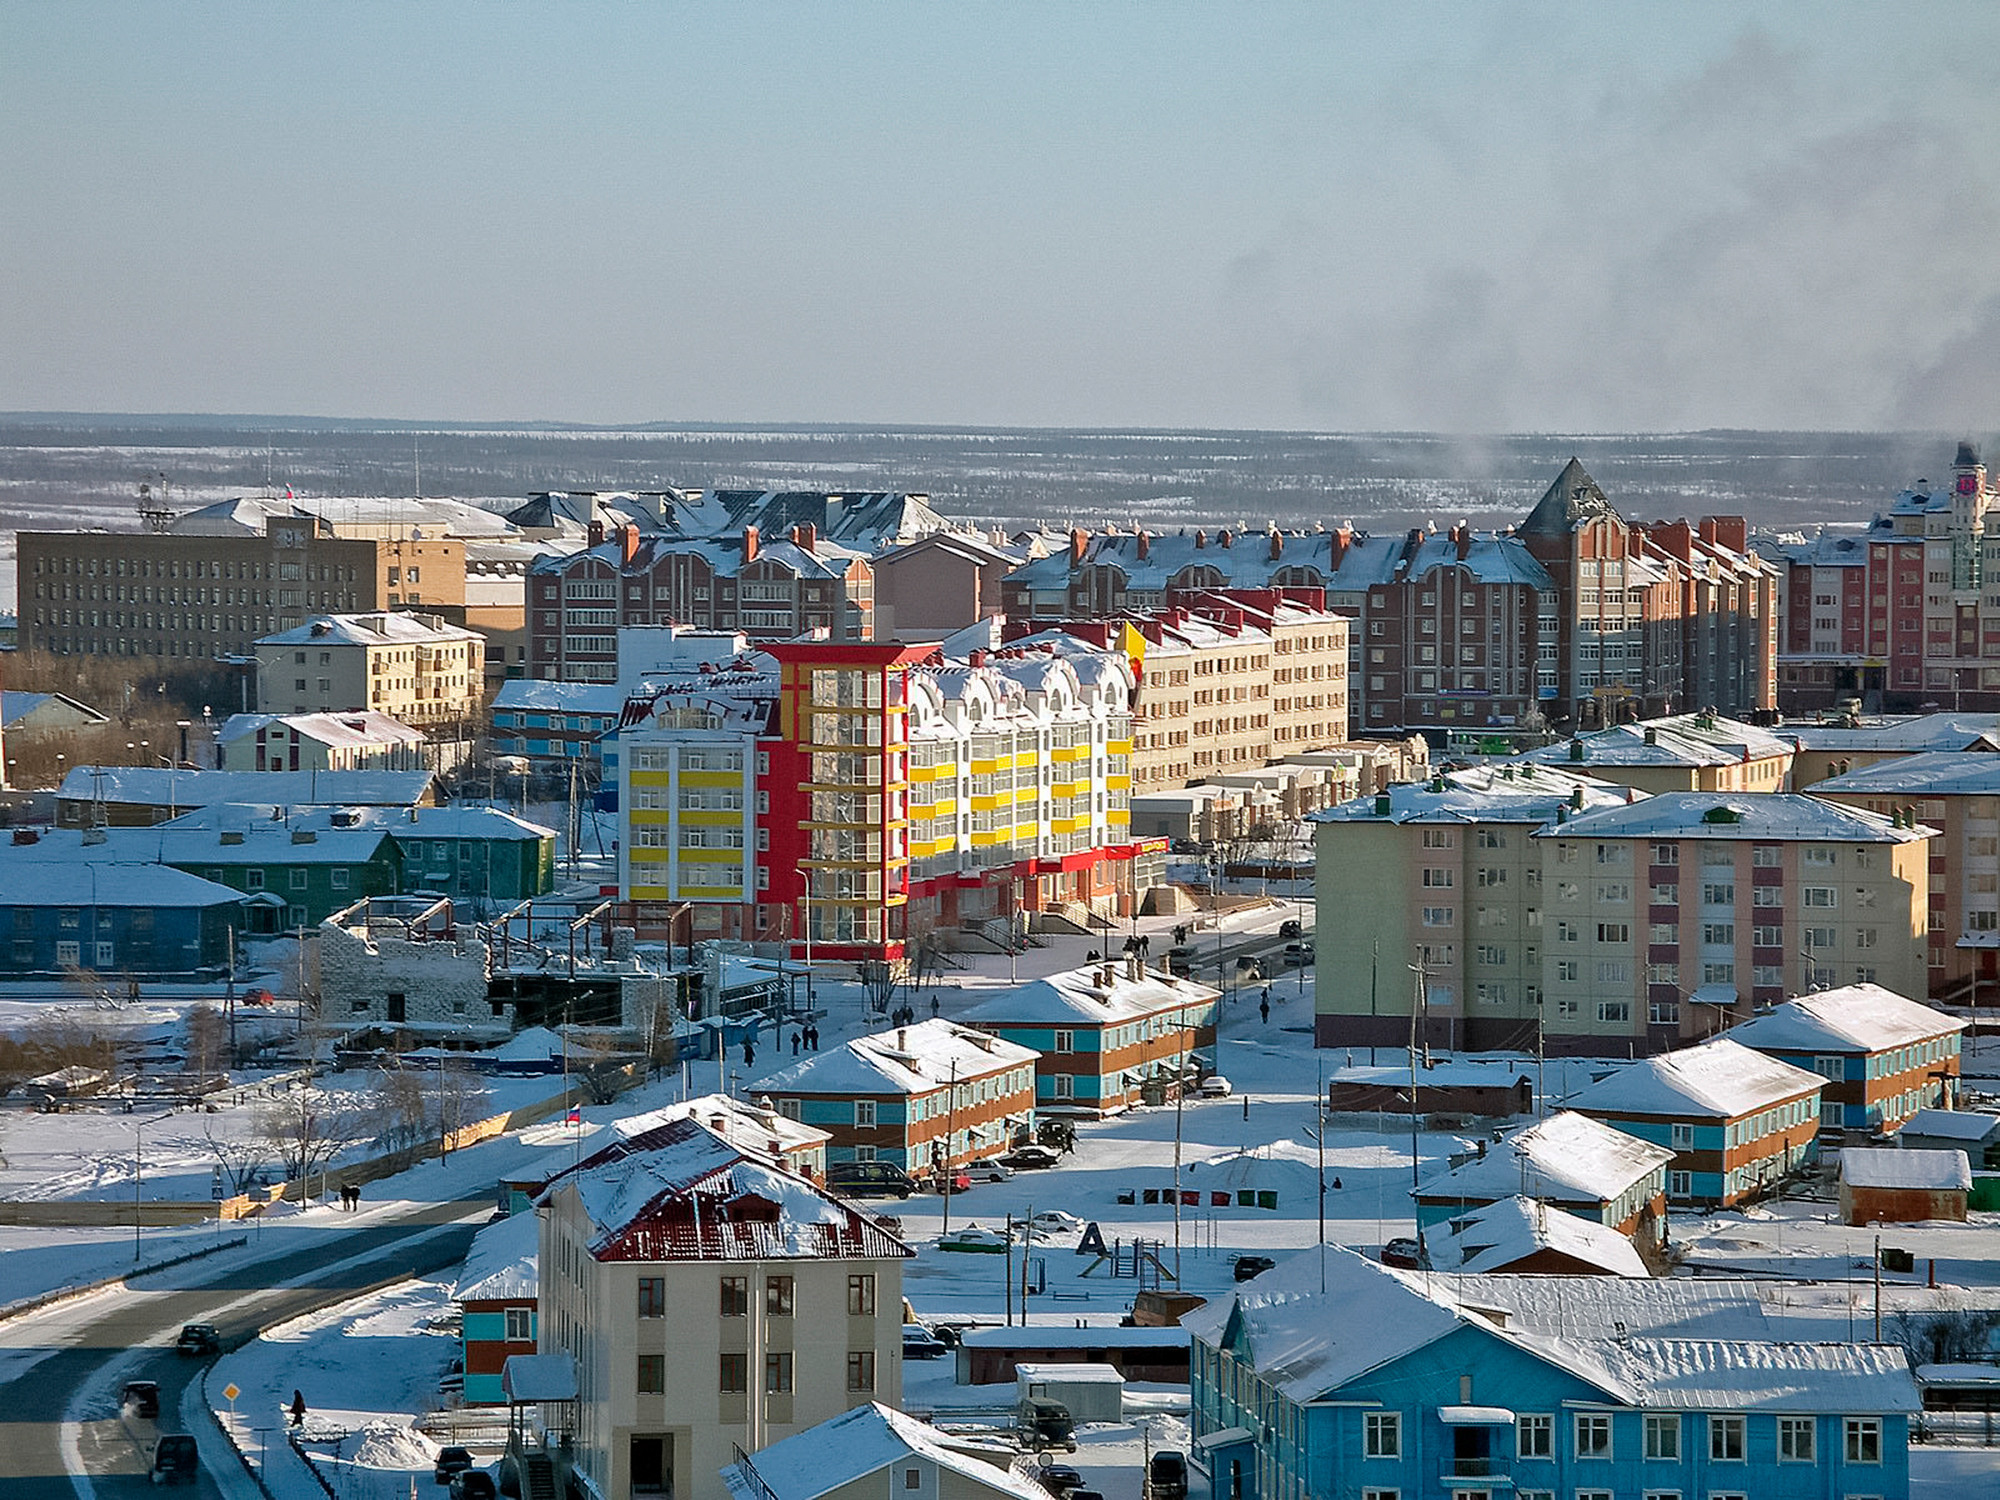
(1409, 1387)
(140, 921)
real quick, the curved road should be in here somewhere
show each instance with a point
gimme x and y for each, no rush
(68, 1363)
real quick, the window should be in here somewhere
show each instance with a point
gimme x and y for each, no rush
(1593, 1435)
(864, 1114)
(733, 1378)
(778, 1296)
(735, 1296)
(1863, 1439)
(861, 1370)
(1370, 1494)
(1795, 1440)
(1681, 1137)
(520, 1325)
(1680, 1184)
(1382, 1435)
(1821, 896)
(652, 1296)
(1534, 1437)
(652, 1374)
(1614, 932)
(1065, 1041)
(1725, 1439)
(861, 1297)
(777, 1374)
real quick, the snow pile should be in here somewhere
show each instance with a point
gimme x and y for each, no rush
(387, 1445)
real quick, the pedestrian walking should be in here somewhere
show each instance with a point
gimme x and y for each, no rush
(1264, 1009)
(749, 1053)
(797, 1038)
(298, 1408)
(934, 1005)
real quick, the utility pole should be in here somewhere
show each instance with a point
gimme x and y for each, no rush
(1417, 1003)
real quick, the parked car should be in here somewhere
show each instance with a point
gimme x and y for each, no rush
(1030, 1158)
(1406, 1253)
(1215, 1086)
(1168, 1475)
(451, 1461)
(1059, 1479)
(1248, 969)
(473, 1484)
(176, 1460)
(141, 1398)
(1055, 1221)
(199, 1338)
(1291, 928)
(988, 1171)
(1249, 1266)
(920, 1343)
(863, 1179)
(1299, 954)
(1181, 962)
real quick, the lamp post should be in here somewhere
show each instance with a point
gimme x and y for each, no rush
(139, 1176)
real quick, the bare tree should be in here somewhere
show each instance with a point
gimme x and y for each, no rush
(207, 1038)
(241, 1158)
(1948, 1332)
(460, 1099)
(396, 1110)
(306, 1130)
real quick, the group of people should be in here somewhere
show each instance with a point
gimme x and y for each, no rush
(906, 1015)
(806, 1038)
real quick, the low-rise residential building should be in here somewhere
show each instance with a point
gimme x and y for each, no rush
(1570, 1162)
(140, 796)
(134, 920)
(871, 1453)
(552, 724)
(1330, 1375)
(1445, 872)
(1971, 1134)
(359, 740)
(1883, 1057)
(26, 716)
(1520, 1236)
(1958, 794)
(1888, 1186)
(920, 1097)
(714, 1304)
(497, 1297)
(1669, 917)
(1737, 1122)
(1697, 752)
(1105, 1035)
(418, 668)
(483, 856)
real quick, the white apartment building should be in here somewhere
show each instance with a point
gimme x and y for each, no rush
(416, 668)
(712, 1302)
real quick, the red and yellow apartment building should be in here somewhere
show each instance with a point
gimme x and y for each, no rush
(847, 797)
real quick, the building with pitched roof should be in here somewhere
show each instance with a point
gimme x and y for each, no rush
(1888, 1186)
(497, 1293)
(1853, 743)
(356, 740)
(140, 796)
(1520, 1236)
(1570, 1162)
(1330, 1375)
(921, 1097)
(418, 668)
(1696, 752)
(126, 917)
(868, 1453)
(714, 1304)
(1883, 1057)
(1105, 1035)
(1737, 1122)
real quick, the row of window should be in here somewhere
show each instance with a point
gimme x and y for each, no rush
(1534, 1437)
(733, 1374)
(780, 1296)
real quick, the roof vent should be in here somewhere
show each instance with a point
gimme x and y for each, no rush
(1382, 805)
(1722, 815)
(232, 835)
(1652, 735)
(1576, 749)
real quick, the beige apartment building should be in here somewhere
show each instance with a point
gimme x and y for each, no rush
(713, 1304)
(415, 668)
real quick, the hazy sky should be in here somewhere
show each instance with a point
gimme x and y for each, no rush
(1467, 217)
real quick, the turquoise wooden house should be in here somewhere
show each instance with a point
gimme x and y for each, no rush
(497, 1297)
(1426, 1387)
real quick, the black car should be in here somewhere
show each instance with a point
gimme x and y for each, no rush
(451, 1462)
(1059, 1479)
(1168, 1479)
(176, 1460)
(1248, 1266)
(1291, 929)
(1023, 1158)
(472, 1484)
(142, 1396)
(199, 1338)
(1406, 1253)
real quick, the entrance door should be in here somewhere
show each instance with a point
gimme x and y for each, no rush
(398, 1006)
(652, 1465)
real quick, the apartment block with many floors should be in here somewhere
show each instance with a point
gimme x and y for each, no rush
(419, 669)
(713, 1303)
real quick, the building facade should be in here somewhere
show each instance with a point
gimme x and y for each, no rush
(412, 667)
(1883, 1057)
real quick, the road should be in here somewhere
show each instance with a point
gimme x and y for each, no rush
(68, 1364)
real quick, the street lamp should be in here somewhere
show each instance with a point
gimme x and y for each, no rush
(139, 1176)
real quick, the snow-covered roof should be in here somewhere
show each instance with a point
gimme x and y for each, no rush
(1450, 1073)
(166, 786)
(1853, 1018)
(748, 1127)
(1936, 773)
(1683, 740)
(693, 1196)
(909, 1060)
(1947, 731)
(248, 515)
(107, 883)
(458, 820)
(226, 834)
(1076, 997)
(1914, 1170)
(501, 1263)
(1504, 1233)
(1507, 793)
(1736, 815)
(1718, 1079)
(16, 706)
(1950, 1125)
(859, 1442)
(604, 699)
(1568, 1157)
(380, 628)
(1714, 1375)
(1067, 1336)
(356, 727)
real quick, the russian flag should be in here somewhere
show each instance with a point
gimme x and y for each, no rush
(576, 1114)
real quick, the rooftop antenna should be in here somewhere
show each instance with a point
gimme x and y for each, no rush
(154, 511)
(417, 458)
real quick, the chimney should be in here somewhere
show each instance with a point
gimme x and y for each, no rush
(1463, 536)
(1224, 537)
(1078, 540)
(902, 1039)
(808, 536)
(1338, 541)
(1277, 544)
(1145, 546)
(596, 533)
(1200, 539)
(978, 658)
(749, 544)
(628, 543)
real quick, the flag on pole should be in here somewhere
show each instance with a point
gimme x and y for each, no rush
(576, 1114)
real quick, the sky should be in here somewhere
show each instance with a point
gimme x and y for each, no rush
(1458, 217)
